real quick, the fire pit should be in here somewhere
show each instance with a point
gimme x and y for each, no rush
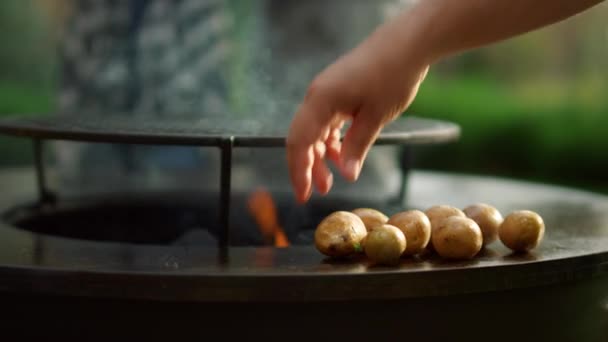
(93, 258)
(138, 214)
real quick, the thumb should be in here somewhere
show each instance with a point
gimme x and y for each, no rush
(358, 140)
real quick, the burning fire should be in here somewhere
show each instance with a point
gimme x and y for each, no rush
(263, 209)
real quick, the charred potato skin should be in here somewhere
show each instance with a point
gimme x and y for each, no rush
(340, 234)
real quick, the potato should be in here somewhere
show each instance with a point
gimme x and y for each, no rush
(340, 234)
(370, 217)
(522, 230)
(457, 238)
(487, 218)
(438, 213)
(385, 244)
(416, 227)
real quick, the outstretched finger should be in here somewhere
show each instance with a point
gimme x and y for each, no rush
(334, 145)
(357, 142)
(321, 175)
(309, 126)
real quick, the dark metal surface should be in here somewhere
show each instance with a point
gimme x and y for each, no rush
(575, 248)
(175, 218)
(225, 192)
(572, 311)
(201, 131)
(44, 195)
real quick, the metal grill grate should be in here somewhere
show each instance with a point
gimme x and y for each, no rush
(195, 131)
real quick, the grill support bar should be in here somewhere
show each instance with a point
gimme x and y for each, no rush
(226, 146)
(45, 196)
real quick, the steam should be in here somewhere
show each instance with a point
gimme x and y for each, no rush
(287, 46)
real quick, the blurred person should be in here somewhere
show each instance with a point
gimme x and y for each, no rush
(172, 58)
(376, 81)
(148, 58)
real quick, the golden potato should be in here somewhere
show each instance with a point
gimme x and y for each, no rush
(340, 234)
(385, 244)
(370, 217)
(416, 227)
(487, 218)
(457, 238)
(522, 230)
(437, 214)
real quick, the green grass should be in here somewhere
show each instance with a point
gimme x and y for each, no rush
(25, 100)
(22, 100)
(524, 133)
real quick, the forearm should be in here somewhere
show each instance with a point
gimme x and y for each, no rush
(439, 28)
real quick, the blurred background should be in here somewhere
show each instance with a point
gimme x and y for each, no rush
(534, 107)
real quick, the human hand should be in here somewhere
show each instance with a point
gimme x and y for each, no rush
(368, 87)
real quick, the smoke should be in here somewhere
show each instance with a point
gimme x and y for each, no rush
(287, 42)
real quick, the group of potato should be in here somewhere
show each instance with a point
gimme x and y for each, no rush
(450, 232)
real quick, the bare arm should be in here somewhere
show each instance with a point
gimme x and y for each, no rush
(377, 81)
(444, 27)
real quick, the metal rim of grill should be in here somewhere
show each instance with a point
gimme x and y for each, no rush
(196, 131)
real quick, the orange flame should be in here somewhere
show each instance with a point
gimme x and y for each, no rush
(263, 209)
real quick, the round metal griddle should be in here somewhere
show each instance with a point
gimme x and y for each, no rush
(576, 243)
(575, 247)
(202, 131)
(556, 292)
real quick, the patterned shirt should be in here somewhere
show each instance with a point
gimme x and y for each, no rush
(151, 57)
